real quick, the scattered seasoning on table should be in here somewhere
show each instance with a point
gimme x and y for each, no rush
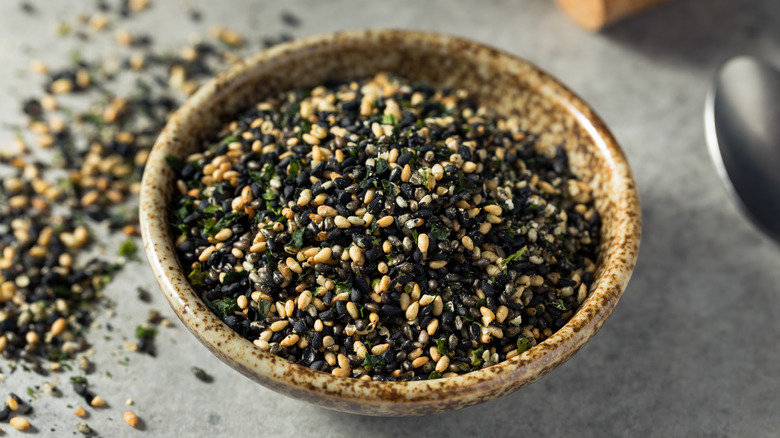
(20, 423)
(130, 418)
(28, 8)
(201, 375)
(145, 335)
(51, 285)
(384, 230)
(79, 411)
(84, 428)
(290, 19)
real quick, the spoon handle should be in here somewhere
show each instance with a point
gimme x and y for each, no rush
(596, 14)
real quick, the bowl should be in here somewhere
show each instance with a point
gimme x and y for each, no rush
(498, 79)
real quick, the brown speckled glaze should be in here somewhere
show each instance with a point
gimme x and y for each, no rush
(495, 78)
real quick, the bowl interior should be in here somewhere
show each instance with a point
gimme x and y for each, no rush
(494, 78)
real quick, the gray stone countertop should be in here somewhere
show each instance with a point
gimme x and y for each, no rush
(691, 350)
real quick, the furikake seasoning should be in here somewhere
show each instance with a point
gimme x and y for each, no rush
(384, 230)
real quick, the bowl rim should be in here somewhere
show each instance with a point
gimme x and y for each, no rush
(299, 381)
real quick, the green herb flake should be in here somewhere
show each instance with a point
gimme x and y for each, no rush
(128, 249)
(263, 177)
(426, 174)
(180, 213)
(293, 169)
(208, 225)
(389, 119)
(177, 164)
(256, 176)
(142, 332)
(476, 356)
(374, 361)
(58, 355)
(100, 122)
(558, 304)
(234, 276)
(275, 210)
(212, 226)
(523, 344)
(222, 307)
(297, 238)
(212, 209)
(63, 292)
(343, 287)
(380, 166)
(434, 375)
(465, 185)
(270, 261)
(292, 111)
(514, 256)
(388, 188)
(197, 277)
(443, 346)
(440, 232)
(230, 139)
(79, 379)
(263, 307)
(30, 391)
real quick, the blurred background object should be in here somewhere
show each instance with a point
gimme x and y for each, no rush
(597, 14)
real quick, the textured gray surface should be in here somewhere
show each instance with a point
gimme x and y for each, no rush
(690, 351)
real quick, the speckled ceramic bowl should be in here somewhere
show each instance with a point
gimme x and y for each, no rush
(500, 80)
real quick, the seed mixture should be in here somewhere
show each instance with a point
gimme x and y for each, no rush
(68, 194)
(384, 230)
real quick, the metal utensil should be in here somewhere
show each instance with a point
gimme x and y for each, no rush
(742, 124)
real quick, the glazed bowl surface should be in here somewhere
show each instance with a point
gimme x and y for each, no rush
(494, 78)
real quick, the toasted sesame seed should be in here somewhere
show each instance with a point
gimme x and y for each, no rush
(130, 418)
(224, 234)
(62, 86)
(422, 243)
(411, 311)
(437, 264)
(469, 167)
(20, 423)
(442, 364)
(342, 222)
(385, 221)
(58, 326)
(97, 402)
(420, 361)
(493, 209)
(289, 340)
(279, 325)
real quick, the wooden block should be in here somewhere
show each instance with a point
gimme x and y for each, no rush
(596, 14)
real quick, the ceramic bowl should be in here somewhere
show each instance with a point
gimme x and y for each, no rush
(495, 78)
